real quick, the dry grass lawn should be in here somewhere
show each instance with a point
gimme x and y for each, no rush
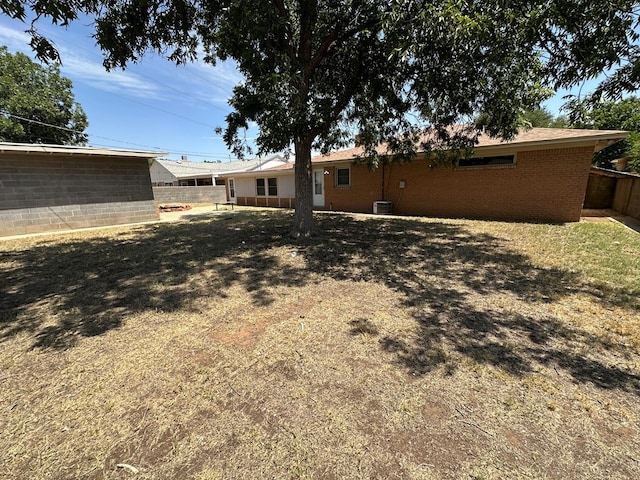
(217, 348)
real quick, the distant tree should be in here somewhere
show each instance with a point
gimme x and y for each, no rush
(620, 115)
(542, 117)
(37, 104)
(318, 71)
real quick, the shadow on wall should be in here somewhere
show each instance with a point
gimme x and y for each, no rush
(438, 268)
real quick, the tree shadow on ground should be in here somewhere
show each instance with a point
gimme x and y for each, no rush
(60, 291)
(443, 271)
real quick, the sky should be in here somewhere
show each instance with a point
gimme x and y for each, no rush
(154, 104)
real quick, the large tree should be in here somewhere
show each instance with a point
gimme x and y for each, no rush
(610, 115)
(37, 104)
(319, 71)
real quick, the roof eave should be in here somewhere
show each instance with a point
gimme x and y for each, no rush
(598, 142)
(63, 150)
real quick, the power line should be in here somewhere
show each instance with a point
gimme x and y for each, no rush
(152, 107)
(170, 151)
(144, 75)
(37, 122)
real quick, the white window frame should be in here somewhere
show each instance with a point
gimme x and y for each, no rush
(266, 186)
(275, 179)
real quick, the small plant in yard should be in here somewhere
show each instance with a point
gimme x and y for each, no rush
(385, 348)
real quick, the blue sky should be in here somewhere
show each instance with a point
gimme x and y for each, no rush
(154, 104)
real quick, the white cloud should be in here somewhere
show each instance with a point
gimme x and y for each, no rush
(79, 68)
(15, 40)
(213, 83)
(94, 74)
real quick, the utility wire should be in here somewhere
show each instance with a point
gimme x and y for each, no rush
(152, 107)
(37, 122)
(182, 92)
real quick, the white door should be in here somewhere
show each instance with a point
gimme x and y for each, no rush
(318, 188)
(232, 190)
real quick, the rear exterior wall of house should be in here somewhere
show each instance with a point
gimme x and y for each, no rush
(247, 193)
(42, 193)
(543, 185)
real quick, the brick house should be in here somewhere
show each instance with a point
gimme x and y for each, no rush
(46, 188)
(539, 175)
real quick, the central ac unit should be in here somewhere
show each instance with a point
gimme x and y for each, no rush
(382, 207)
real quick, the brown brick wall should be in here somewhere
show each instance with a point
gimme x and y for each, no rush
(544, 185)
(48, 193)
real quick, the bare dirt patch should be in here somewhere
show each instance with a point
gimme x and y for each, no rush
(381, 348)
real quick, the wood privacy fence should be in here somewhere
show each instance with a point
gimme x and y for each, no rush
(618, 191)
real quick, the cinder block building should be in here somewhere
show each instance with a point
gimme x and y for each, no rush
(47, 188)
(540, 175)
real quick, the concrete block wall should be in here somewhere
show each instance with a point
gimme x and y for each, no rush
(544, 185)
(189, 195)
(41, 193)
(68, 217)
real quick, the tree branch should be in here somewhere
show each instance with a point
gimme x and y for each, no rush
(283, 13)
(321, 53)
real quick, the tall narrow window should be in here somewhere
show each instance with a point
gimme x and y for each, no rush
(343, 177)
(260, 187)
(273, 187)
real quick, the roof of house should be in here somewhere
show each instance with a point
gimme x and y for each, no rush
(40, 148)
(181, 169)
(532, 138)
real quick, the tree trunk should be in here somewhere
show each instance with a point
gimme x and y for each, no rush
(303, 217)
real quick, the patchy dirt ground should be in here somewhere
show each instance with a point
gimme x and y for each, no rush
(215, 348)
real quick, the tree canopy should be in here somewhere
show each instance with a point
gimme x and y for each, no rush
(542, 117)
(317, 72)
(610, 115)
(37, 104)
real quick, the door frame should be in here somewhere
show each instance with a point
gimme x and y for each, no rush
(318, 198)
(232, 198)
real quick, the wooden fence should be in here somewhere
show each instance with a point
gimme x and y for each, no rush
(618, 191)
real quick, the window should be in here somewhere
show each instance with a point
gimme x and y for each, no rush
(343, 177)
(232, 188)
(487, 161)
(273, 187)
(267, 186)
(260, 188)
